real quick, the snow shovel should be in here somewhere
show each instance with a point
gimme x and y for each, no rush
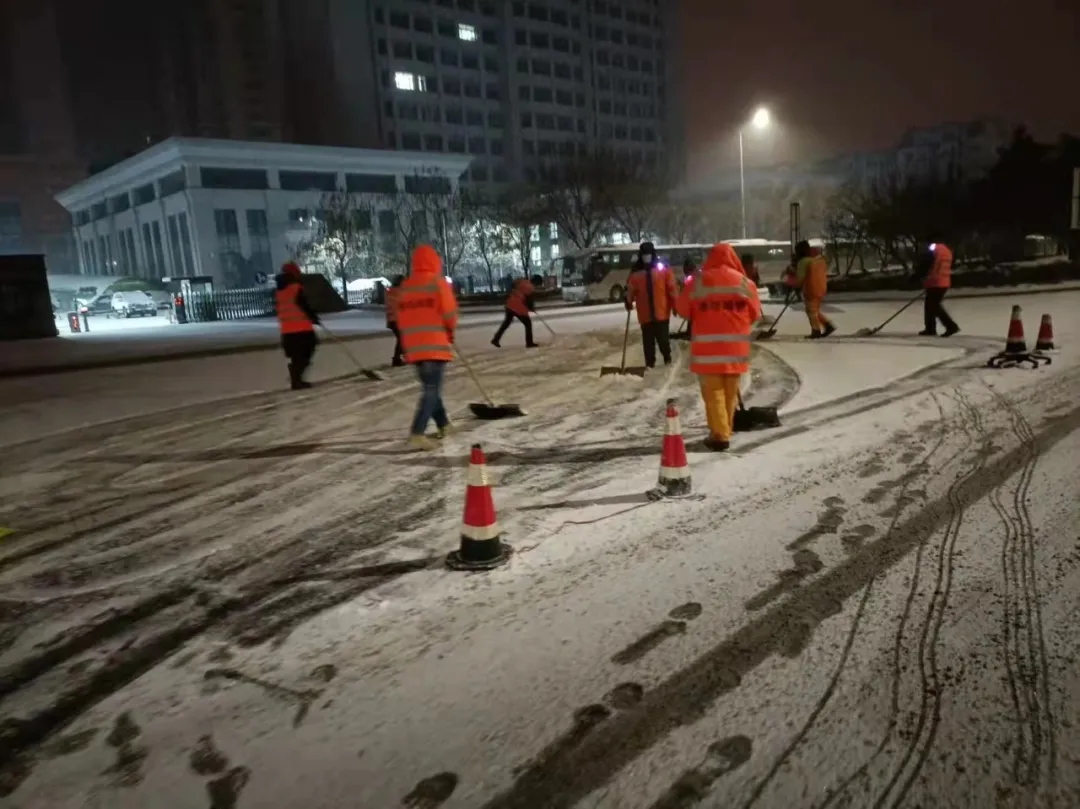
(754, 418)
(872, 332)
(621, 369)
(370, 374)
(769, 333)
(487, 410)
(682, 333)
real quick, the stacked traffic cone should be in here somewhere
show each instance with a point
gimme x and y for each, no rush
(1045, 340)
(481, 546)
(674, 470)
(1015, 342)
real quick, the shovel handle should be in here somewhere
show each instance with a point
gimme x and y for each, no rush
(475, 378)
(551, 331)
(898, 312)
(625, 341)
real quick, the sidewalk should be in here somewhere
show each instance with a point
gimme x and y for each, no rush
(195, 340)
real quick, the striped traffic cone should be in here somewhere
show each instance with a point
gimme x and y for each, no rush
(1014, 341)
(674, 478)
(481, 546)
(1045, 340)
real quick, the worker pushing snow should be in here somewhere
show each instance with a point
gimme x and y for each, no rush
(520, 301)
(296, 323)
(427, 315)
(722, 306)
(813, 276)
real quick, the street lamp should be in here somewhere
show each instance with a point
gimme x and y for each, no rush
(760, 121)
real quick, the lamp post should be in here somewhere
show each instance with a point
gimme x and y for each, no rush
(761, 120)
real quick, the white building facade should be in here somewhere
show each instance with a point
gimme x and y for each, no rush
(229, 210)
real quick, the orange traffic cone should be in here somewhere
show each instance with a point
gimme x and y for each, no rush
(1015, 342)
(674, 470)
(481, 546)
(1045, 340)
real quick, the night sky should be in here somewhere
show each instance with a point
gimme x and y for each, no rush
(842, 75)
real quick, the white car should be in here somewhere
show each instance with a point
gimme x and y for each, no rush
(133, 304)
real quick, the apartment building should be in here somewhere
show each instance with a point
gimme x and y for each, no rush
(508, 82)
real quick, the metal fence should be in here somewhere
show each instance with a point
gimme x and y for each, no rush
(358, 297)
(229, 304)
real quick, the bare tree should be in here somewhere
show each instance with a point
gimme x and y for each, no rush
(518, 212)
(635, 196)
(577, 193)
(429, 211)
(342, 241)
(485, 240)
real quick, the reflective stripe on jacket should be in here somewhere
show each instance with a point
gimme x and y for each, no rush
(652, 291)
(813, 277)
(940, 275)
(520, 297)
(426, 310)
(392, 295)
(291, 318)
(722, 305)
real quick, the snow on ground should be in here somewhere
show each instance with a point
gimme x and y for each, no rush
(871, 605)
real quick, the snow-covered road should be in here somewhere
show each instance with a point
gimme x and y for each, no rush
(239, 601)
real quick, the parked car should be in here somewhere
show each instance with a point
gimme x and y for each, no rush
(101, 305)
(162, 298)
(133, 304)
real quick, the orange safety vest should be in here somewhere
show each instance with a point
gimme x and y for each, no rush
(427, 311)
(652, 291)
(517, 300)
(814, 274)
(723, 306)
(291, 318)
(940, 275)
(392, 295)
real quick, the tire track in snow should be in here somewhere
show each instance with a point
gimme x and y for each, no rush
(1028, 670)
(928, 718)
(893, 716)
(834, 679)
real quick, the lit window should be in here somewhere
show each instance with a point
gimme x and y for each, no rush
(534, 255)
(466, 33)
(410, 81)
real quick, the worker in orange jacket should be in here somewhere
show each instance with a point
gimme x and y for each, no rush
(651, 288)
(393, 292)
(937, 283)
(723, 306)
(519, 303)
(296, 323)
(750, 268)
(813, 277)
(427, 314)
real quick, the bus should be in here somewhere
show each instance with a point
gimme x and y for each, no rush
(599, 274)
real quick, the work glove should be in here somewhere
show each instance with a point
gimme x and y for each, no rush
(629, 306)
(450, 335)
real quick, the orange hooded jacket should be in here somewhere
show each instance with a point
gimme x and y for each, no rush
(427, 311)
(722, 305)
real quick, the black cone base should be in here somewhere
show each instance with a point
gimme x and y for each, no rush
(468, 559)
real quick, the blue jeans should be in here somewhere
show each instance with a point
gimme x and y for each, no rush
(430, 373)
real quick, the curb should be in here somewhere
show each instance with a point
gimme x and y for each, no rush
(960, 293)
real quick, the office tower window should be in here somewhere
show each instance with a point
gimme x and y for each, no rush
(466, 33)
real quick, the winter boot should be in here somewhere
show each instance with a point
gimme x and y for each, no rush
(421, 443)
(397, 362)
(928, 333)
(949, 332)
(829, 329)
(496, 344)
(716, 445)
(296, 380)
(532, 345)
(814, 335)
(446, 430)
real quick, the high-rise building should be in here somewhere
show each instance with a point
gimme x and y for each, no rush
(37, 138)
(508, 81)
